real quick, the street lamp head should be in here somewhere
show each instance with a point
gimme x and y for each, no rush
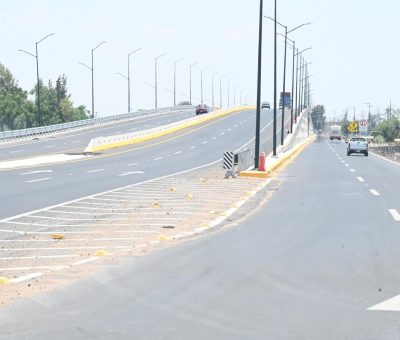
(177, 61)
(203, 69)
(32, 55)
(123, 76)
(297, 27)
(49, 35)
(191, 65)
(160, 56)
(103, 42)
(134, 51)
(267, 17)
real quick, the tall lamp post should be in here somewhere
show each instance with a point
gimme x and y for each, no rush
(175, 62)
(155, 79)
(234, 94)
(129, 78)
(258, 110)
(212, 88)
(299, 53)
(201, 83)
(190, 81)
(36, 56)
(241, 93)
(92, 71)
(229, 87)
(220, 89)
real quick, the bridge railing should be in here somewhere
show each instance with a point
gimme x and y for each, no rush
(37, 131)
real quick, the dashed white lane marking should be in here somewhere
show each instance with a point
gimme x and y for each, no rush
(352, 170)
(133, 164)
(374, 192)
(360, 179)
(131, 173)
(392, 305)
(222, 133)
(29, 268)
(235, 126)
(92, 171)
(205, 142)
(214, 138)
(76, 141)
(50, 146)
(193, 147)
(395, 214)
(178, 152)
(90, 259)
(38, 180)
(36, 172)
(346, 165)
(342, 161)
(16, 151)
(229, 129)
(158, 159)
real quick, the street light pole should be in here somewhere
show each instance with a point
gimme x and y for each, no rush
(190, 81)
(220, 90)
(229, 87)
(175, 62)
(275, 83)
(155, 79)
(241, 92)
(212, 88)
(234, 95)
(129, 79)
(201, 83)
(36, 56)
(93, 49)
(258, 110)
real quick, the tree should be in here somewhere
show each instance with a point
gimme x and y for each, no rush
(318, 116)
(16, 111)
(389, 129)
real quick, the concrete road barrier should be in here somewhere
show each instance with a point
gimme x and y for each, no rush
(105, 143)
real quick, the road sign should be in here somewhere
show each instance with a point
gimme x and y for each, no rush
(363, 123)
(353, 127)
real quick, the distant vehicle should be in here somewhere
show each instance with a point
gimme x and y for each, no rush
(265, 105)
(286, 99)
(357, 145)
(335, 132)
(202, 108)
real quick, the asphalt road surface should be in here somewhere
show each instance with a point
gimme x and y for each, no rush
(38, 187)
(306, 265)
(75, 141)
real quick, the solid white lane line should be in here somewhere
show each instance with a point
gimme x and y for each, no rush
(36, 172)
(50, 146)
(374, 192)
(29, 268)
(360, 179)
(178, 152)
(38, 180)
(158, 159)
(92, 171)
(131, 173)
(78, 239)
(395, 214)
(16, 151)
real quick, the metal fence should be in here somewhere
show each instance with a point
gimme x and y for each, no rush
(16, 134)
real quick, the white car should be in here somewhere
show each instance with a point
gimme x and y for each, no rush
(357, 145)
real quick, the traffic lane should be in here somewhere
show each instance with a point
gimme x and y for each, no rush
(309, 273)
(76, 141)
(380, 176)
(30, 189)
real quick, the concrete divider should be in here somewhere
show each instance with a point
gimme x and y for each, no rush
(110, 142)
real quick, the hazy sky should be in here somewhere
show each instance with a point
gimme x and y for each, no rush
(355, 56)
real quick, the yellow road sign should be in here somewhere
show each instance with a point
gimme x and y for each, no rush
(353, 127)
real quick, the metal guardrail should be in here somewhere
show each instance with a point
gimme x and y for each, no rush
(16, 134)
(389, 151)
